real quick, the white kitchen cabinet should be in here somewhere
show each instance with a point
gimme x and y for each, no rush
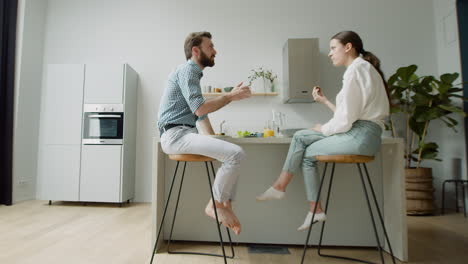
(59, 166)
(101, 173)
(60, 132)
(68, 170)
(62, 104)
(104, 84)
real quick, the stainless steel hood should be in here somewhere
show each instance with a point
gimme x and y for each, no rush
(300, 69)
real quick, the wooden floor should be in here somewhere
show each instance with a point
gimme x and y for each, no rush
(34, 232)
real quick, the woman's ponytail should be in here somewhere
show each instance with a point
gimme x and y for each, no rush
(372, 59)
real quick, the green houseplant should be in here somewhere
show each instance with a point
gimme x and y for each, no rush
(421, 100)
(266, 75)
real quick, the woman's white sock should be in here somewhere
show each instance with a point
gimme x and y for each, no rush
(319, 217)
(271, 194)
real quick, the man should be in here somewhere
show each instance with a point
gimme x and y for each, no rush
(182, 105)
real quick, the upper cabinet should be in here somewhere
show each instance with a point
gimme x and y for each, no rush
(62, 104)
(104, 84)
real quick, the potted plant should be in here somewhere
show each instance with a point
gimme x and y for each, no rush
(267, 76)
(421, 100)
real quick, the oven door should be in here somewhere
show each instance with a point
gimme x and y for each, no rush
(103, 128)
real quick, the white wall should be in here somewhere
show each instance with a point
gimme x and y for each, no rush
(451, 144)
(149, 35)
(30, 37)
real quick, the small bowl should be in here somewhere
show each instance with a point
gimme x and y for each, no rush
(260, 135)
(228, 89)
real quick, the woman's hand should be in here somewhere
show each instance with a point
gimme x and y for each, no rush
(317, 128)
(318, 95)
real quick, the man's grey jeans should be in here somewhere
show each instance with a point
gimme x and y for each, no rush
(186, 140)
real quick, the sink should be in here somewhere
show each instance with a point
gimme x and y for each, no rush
(289, 132)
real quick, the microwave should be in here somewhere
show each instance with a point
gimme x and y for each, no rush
(103, 124)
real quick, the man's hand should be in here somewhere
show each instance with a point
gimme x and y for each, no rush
(240, 92)
(317, 128)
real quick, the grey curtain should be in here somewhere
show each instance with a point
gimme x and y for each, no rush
(8, 15)
(462, 13)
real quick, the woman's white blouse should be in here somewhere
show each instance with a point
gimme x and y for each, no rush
(362, 97)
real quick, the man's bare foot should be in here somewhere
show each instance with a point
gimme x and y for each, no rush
(228, 204)
(225, 216)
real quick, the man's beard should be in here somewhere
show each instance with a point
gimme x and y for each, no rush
(205, 61)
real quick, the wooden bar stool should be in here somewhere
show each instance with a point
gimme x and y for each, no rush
(358, 160)
(191, 158)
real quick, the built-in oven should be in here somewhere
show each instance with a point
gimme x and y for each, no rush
(103, 124)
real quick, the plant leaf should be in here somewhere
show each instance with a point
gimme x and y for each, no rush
(429, 155)
(451, 108)
(423, 114)
(405, 73)
(449, 78)
(421, 99)
(428, 150)
(452, 121)
(443, 88)
(392, 80)
(417, 127)
(455, 90)
(459, 96)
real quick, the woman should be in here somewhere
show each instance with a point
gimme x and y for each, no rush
(356, 126)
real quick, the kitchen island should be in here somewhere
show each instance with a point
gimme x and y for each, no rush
(275, 222)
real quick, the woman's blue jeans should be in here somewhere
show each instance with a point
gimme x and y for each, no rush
(364, 138)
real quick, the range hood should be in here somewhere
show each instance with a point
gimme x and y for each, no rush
(300, 70)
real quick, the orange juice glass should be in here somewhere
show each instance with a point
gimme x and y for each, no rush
(268, 132)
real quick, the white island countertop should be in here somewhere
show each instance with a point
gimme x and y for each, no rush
(266, 156)
(282, 140)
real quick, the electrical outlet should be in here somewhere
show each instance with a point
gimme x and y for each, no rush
(23, 181)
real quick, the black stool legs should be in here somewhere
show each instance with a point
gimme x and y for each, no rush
(464, 199)
(370, 212)
(315, 209)
(175, 214)
(164, 213)
(378, 210)
(462, 183)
